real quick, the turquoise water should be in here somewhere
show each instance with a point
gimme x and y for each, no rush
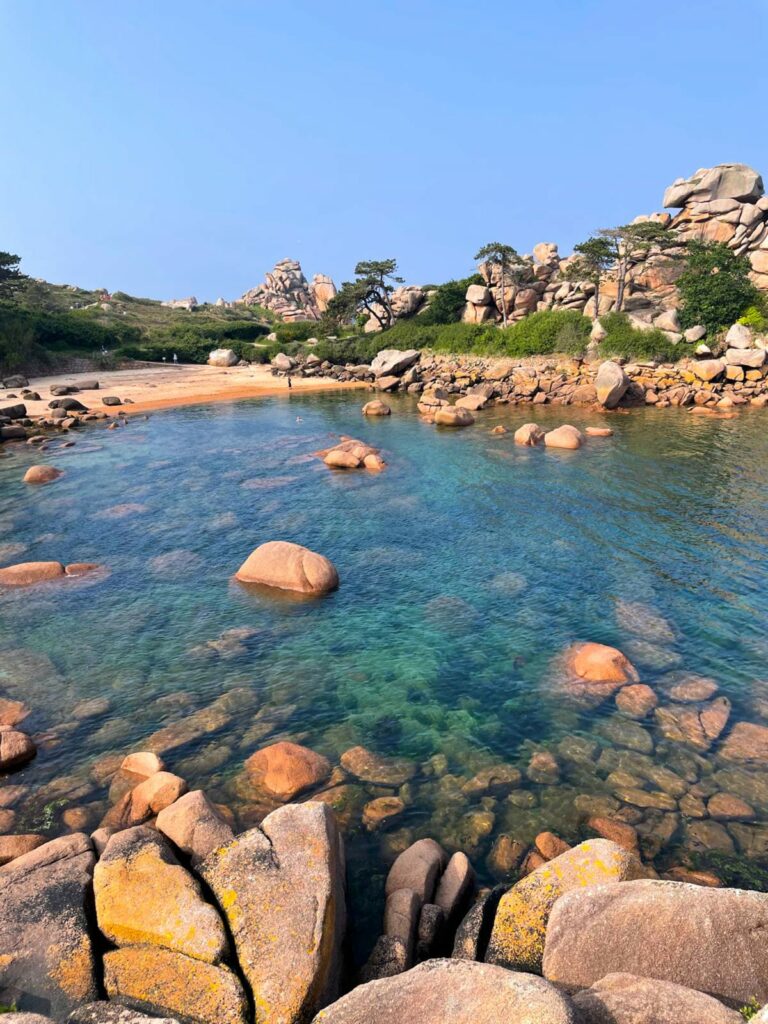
(466, 568)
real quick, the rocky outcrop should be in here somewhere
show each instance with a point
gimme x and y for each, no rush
(286, 566)
(46, 953)
(627, 999)
(455, 991)
(701, 938)
(281, 889)
(287, 293)
(517, 939)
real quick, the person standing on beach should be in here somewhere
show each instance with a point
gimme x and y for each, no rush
(289, 382)
(175, 359)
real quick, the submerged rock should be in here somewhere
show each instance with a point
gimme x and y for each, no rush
(453, 416)
(564, 437)
(287, 566)
(529, 435)
(376, 408)
(42, 474)
(286, 769)
(25, 574)
(377, 769)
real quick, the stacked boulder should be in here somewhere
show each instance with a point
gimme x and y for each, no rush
(287, 293)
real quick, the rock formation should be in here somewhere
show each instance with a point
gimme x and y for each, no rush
(287, 292)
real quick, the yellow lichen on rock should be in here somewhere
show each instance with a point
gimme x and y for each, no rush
(517, 939)
(145, 897)
(169, 984)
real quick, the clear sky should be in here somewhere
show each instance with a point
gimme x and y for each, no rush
(176, 147)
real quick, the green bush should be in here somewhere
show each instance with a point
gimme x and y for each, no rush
(358, 348)
(715, 288)
(447, 303)
(755, 317)
(27, 336)
(751, 1009)
(549, 330)
(634, 343)
(299, 331)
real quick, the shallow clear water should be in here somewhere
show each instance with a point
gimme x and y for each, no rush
(466, 568)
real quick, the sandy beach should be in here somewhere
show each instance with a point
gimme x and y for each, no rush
(164, 387)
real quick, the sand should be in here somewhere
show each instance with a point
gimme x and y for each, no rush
(164, 386)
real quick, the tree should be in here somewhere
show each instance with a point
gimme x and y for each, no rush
(370, 292)
(509, 263)
(10, 275)
(594, 257)
(447, 303)
(715, 288)
(631, 243)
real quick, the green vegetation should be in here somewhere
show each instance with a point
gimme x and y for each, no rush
(634, 343)
(630, 243)
(510, 267)
(302, 330)
(715, 287)
(367, 296)
(755, 317)
(751, 1009)
(11, 277)
(446, 305)
(592, 259)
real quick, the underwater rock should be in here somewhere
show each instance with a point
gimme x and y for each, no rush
(286, 769)
(529, 435)
(637, 700)
(696, 725)
(597, 663)
(376, 408)
(375, 768)
(25, 574)
(42, 474)
(16, 748)
(381, 810)
(746, 742)
(453, 416)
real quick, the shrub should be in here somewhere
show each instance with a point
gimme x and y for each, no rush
(358, 348)
(447, 303)
(549, 330)
(634, 343)
(755, 318)
(299, 331)
(715, 287)
(751, 1009)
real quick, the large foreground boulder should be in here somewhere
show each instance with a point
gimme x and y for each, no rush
(46, 957)
(517, 939)
(223, 357)
(104, 1012)
(281, 888)
(391, 362)
(452, 992)
(287, 566)
(611, 384)
(169, 984)
(710, 940)
(627, 999)
(145, 897)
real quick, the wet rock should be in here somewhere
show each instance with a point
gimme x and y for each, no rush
(696, 725)
(505, 856)
(565, 436)
(46, 956)
(16, 748)
(376, 408)
(681, 874)
(543, 768)
(751, 786)
(417, 869)
(474, 932)
(142, 762)
(430, 931)
(42, 474)
(168, 984)
(286, 769)
(628, 999)
(644, 798)
(281, 889)
(727, 807)
(637, 700)
(453, 416)
(455, 991)
(377, 769)
(746, 742)
(549, 845)
(517, 939)
(687, 688)
(15, 846)
(287, 566)
(145, 800)
(529, 435)
(618, 832)
(703, 836)
(598, 432)
(644, 622)
(194, 826)
(597, 663)
(381, 810)
(26, 574)
(686, 934)
(498, 781)
(144, 897)
(626, 734)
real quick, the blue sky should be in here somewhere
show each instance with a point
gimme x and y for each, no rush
(169, 148)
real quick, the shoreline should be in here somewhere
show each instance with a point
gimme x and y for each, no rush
(156, 386)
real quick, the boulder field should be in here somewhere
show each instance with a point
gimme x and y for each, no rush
(252, 929)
